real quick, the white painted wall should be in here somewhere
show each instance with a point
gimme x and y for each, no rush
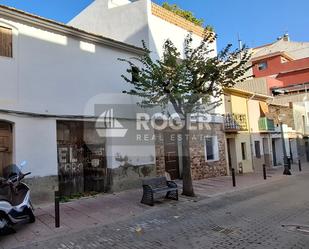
(300, 110)
(51, 73)
(132, 22)
(161, 30)
(121, 20)
(139, 152)
(56, 74)
(117, 3)
(34, 141)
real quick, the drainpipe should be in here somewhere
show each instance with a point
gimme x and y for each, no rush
(249, 128)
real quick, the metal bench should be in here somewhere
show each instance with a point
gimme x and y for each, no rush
(158, 185)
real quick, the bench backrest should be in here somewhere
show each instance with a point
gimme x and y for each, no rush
(158, 182)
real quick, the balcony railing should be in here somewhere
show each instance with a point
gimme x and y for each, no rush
(235, 122)
(266, 124)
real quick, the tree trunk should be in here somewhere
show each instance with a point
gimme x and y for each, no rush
(187, 178)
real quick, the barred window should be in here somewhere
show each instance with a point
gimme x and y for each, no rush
(211, 149)
(6, 42)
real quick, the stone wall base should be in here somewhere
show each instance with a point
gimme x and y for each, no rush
(200, 167)
(129, 177)
(42, 189)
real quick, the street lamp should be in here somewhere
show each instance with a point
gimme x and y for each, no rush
(286, 171)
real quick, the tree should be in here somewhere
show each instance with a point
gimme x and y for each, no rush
(190, 84)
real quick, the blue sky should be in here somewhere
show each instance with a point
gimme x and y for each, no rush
(257, 22)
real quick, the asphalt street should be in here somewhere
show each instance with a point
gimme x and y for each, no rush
(275, 215)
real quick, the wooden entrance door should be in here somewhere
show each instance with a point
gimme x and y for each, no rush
(81, 158)
(5, 145)
(171, 155)
(95, 168)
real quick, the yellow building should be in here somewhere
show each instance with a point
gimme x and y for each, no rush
(248, 130)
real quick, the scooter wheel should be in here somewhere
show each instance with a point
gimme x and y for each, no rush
(5, 227)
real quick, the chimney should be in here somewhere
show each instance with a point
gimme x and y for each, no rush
(286, 37)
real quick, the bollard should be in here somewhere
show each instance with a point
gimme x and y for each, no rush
(57, 209)
(233, 177)
(299, 165)
(264, 172)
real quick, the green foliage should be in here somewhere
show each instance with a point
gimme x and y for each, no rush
(76, 196)
(188, 15)
(210, 28)
(192, 83)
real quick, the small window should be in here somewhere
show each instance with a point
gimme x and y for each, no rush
(262, 66)
(211, 149)
(135, 74)
(257, 149)
(6, 42)
(243, 151)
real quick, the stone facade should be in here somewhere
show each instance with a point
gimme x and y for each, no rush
(130, 176)
(200, 168)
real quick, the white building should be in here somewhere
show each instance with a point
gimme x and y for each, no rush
(51, 75)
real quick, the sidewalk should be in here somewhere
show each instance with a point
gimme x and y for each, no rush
(110, 208)
(222, 185)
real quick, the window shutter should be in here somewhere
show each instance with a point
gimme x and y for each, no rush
(5, 42)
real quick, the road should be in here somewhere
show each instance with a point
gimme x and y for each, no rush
(246, 219)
